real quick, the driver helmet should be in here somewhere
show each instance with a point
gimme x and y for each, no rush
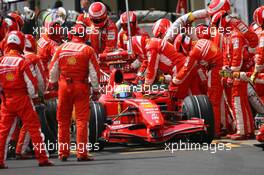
(259, 16)
(98, 14)
(122, 91)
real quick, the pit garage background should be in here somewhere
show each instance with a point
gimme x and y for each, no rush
(241, 8)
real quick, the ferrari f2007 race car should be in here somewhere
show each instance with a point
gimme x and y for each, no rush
(124, 115)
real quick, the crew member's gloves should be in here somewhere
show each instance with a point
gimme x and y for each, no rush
(236, 75)
(163, 79)
(190, 19)
(226, 72)
(253, 77)
(52, 86)
(160, 79)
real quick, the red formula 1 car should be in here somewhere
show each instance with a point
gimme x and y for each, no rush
(123, 115)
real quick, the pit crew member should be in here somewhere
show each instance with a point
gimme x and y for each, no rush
(71, 65)
(103, 33)
(19, 85)
(206, 53)
(135, 30)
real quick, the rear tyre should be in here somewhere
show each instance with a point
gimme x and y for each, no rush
(50, 113)
(45, 126)
(96, 126)
(200, 107)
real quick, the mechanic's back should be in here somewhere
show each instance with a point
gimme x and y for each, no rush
(71, 65)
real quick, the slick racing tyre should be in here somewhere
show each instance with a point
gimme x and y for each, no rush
(50, 111)
(255, 101)
(96, 125)
(45, 128)
(200, 107)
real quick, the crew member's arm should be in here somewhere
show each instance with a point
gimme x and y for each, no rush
(30, 79)
(259, 57)
(238, 51)
(182, 22)
(94, 69)
(241, 27)
(54, 72)
(190, 63)
(112, 37)
(120, 40)
(40, 70)
(153, 66)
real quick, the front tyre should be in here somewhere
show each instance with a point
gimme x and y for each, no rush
(200, 107)
(96, 125)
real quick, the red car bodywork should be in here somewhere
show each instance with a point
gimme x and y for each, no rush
(151, 118)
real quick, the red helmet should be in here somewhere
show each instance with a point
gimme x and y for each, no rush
(183, 43)
(78, 33)
(219, 20)
(18, 19)
(203, 31)
(219, 5)
(11, 24)
(160, 27)
(132, 20)
(259, 16)
(3, 28)
(54, 31)
(15, 41)
(132, 17)
(98, 14)
(30, 43)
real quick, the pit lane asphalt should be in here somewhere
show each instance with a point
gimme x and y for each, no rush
(244, 158)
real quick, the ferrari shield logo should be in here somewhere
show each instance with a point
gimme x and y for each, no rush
(71, 61)
(10, 76)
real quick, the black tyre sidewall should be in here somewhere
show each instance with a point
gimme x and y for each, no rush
(96, 124)
(200, 107)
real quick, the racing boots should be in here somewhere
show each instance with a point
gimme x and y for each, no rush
(85, 158)
(3, 166)
(63, 158)
(240, 137)
(46, 163)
